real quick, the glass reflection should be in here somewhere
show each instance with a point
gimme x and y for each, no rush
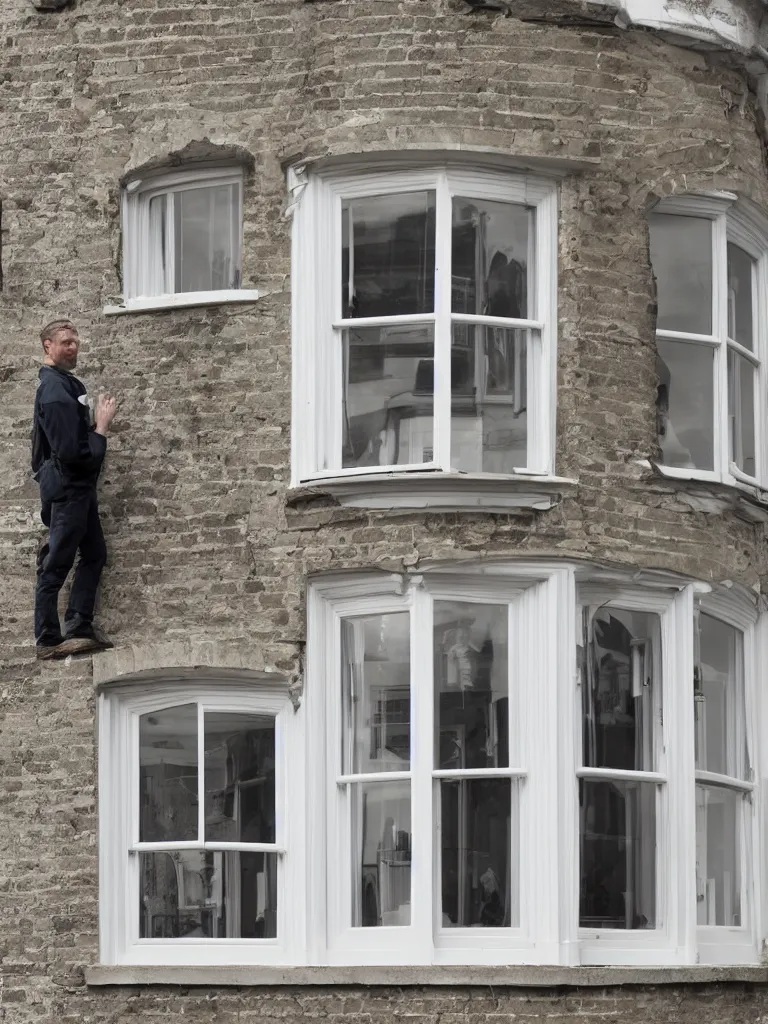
(239, 778)
(619, 692)
(471, 668)
(388, 255)
(741, 412)
(388, 396)
(718, 857)
(618, 854)
(681, 254)
(376, 694)
(489, 414)
(168, 803)
(719, 700)
(476, 847)
(685, 405)
(190, 894)
(206, 229)
(381, 854)
(490, 258)
(740, 266)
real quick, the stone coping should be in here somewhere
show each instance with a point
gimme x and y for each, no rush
(514, 977)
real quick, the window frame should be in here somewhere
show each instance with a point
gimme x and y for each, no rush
(739, 222)
(317, 408)
(140, 260)
(549, 931)
(119, 709)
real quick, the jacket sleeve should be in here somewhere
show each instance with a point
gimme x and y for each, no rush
(71, 439)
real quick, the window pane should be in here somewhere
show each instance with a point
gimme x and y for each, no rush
(681, 254)
(478, 836)
(686, 405)
(158, 246)
(741, 412)
(206, 238)
(388, 396)
(381, 853)
(489, 416)
(388, 255)
(168, 775)
(239, 778)
(490, 258)
(471, 685)
(376, 703)
(740, 266)
(719, 700)
(718, 871)
(191, 894)
(618, 697)
(618, 854)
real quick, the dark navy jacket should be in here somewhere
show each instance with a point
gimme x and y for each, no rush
(66, 452)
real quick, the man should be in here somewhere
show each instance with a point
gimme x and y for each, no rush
(67, 453)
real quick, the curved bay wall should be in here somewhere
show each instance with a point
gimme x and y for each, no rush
(203, 540)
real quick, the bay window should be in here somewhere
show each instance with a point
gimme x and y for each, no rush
(424, 324)
(536, 764)
(710, 260)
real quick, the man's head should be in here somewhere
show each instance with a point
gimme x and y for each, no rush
(60, 344)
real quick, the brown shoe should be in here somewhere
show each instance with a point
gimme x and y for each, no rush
(73, 645)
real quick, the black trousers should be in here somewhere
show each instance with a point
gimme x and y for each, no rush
(74, 525)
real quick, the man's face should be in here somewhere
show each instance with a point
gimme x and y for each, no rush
(62, 348)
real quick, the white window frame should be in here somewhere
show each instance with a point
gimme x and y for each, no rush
(545, 601)
(144, 286)
(317, 320)
(744, 225)
(119, 710)
(726, 944)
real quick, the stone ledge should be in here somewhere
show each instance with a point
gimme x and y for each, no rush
(141, 660)
(515, 977)
(439, 492)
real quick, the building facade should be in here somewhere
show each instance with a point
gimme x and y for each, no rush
(436, 510)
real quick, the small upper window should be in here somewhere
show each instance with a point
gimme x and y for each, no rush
(710, 258)
(183, 236)
(424, 332)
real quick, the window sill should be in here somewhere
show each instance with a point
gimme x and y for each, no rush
(440, 492)
(183, 300)
(527, 977)
(704, 492)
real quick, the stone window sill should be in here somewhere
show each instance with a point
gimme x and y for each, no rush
(440, 492)
(524, 977)
(182, 300)
(704, 492)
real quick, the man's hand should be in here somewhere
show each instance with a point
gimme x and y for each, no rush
(106, 407)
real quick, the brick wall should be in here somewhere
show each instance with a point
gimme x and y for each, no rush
(204, 541)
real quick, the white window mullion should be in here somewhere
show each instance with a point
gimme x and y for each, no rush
(720, 330)
(678, 754)
(443, 330)
(423, 854)
(542, 346)
(759, 320)
(536, 618)
(200, 774)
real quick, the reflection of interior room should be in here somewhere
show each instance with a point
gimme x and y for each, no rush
(472, 731)
(377, 713)
(207, 893)
(389, 371)
(618, 817)
(720, 748)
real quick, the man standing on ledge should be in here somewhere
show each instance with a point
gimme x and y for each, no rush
(68, 448)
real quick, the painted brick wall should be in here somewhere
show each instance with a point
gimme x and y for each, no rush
(204, 540)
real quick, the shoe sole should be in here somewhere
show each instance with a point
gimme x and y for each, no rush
(74, 645)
